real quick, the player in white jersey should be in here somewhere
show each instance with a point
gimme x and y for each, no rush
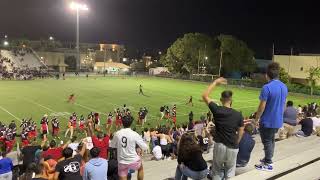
(125, 140)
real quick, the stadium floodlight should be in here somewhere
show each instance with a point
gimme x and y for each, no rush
(5, 36)
(51, 38)
(78, 7)
(5, 43)
(206, 57)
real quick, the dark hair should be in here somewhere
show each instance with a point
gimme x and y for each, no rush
(226, 95)
(188, 145)
(289, 103)
(67, 152)
(53, 143)
(249, 128)
(94, 152)
(74, 138)
(127, 121)
(36, 168)
(146, 129)
(273, 70)
(100, 135)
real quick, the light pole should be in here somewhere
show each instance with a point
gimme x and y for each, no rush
(78, 7)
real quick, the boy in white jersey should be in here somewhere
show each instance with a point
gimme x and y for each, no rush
(125, 140)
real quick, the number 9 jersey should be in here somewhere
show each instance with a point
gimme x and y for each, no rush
(125, 140)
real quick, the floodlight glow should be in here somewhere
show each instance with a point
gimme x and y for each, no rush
(206, 57)
(50, 38)
(78, 6)
(6, 36)
(6, 43)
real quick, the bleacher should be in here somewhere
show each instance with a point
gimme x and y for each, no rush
(289, 155)
(27, 60)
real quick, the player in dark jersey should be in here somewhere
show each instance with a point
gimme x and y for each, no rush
(140, 90)
(190, 101)
(55, 126)
(167, 112)
(44, 126)
(174, 116)
(96, 121)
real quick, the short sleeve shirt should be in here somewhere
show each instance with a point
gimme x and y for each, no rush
(227, 122)
(275, 94)
(70, 168)
(103, 145)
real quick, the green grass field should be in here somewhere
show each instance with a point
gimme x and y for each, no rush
(24, 99)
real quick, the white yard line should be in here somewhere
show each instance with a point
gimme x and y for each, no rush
(5, 110)
(88, 108)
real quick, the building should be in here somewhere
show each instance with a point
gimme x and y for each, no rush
(111, 67)
(110, 52)
(297, 66)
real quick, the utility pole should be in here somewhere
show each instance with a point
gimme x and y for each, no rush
(104, 61)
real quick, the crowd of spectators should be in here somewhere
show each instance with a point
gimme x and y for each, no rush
(100, 154)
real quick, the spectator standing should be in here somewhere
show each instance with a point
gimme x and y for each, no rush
(270, 113)
(228, 132)
(125, 140)
(53, 151)
(28, 153)
(246, 146)
(290, 114)
(190, 161)
(69, 168)
(96, 168)
(100, 141)
(6, 167)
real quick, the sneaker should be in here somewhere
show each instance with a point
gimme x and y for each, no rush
(262, 161)
(264, 167)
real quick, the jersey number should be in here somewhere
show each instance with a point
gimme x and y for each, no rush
(124, 141)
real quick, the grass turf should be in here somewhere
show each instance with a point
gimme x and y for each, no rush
(24, 99)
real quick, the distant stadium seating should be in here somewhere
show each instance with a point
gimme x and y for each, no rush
(23, 59)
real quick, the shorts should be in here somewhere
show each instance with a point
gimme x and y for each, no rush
(109, 121)
(81, 127)
(119, 123)
(44, 132)
(25, 142)
(123, 169)
(55, 131)
(174, 119)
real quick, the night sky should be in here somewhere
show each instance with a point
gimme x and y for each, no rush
(157, 23)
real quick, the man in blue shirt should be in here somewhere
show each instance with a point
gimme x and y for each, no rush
(270, 113)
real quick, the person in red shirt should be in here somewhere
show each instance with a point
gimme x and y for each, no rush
(53, 151)
(100, 141)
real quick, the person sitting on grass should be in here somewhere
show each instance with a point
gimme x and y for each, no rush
(190, 161)
(246, 146)
(306, 125)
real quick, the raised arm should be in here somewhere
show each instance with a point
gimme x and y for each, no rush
(66, 144)
(207, 92)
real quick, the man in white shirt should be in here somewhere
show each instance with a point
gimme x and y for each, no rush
(125, 140)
